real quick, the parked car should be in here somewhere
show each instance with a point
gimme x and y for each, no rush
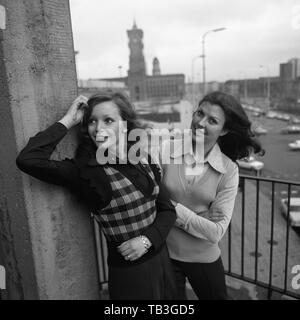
(250, 163)
(284, 117)
(295, 146)
(295, 120)
(256, 114)
(260, 131)
(294, 217)
(291, 129)
(271, 114)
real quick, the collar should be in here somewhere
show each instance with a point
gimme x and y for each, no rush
(215, 157)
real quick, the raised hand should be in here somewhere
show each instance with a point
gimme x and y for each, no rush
(75, 113)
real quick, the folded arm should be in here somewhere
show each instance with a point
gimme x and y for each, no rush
(202, 227)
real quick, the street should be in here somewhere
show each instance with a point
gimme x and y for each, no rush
(280, 162)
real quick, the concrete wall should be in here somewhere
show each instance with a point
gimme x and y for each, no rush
(46, 236)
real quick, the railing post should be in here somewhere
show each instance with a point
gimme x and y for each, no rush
(272, 239)
(287, 237)
(256, 227)
(243, 227)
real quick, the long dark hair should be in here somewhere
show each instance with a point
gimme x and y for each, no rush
(240, 141)
(127, 113)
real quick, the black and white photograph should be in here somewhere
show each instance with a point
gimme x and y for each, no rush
(150, 151)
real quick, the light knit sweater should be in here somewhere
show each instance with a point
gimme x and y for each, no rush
(195, 238)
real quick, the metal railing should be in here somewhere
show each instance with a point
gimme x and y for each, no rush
(269, 265)
(259, 247)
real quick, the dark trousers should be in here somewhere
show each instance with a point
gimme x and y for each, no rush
(206, 279)
(150, 280)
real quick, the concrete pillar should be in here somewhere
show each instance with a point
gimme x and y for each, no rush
(46, 235)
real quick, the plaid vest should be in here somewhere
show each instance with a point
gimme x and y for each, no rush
(129, 212)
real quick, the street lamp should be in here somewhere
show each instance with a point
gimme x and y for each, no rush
(193, 85)
(203, 53)
(268, 83)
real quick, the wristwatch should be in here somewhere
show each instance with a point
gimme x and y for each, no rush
(147, 243)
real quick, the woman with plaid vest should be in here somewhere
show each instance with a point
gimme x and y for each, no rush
(134, 212)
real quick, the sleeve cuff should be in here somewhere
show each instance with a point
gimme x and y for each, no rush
(154, 237)
(183, 216)
(60, 126)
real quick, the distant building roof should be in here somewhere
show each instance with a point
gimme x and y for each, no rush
(100, 84)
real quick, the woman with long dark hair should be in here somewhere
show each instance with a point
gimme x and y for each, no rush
(203, 183)
(134, 213)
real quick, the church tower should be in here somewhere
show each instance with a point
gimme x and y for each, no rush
(137, 66)
(136, 59)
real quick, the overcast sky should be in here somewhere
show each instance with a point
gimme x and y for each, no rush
(258, 32)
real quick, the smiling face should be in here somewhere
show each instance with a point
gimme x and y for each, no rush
(104, 124)
(209, 119)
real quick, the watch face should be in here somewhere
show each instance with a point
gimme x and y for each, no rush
(134, 40)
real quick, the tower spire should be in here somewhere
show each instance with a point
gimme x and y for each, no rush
(134, 24)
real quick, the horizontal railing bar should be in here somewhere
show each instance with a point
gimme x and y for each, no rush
(295, 183)
(258, 283)
(263, 285)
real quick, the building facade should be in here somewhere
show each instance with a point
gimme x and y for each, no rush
(143, 87)
(290, 70)
(284, 94)
(90, 87)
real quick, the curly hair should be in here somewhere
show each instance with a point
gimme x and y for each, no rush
(240, 141)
